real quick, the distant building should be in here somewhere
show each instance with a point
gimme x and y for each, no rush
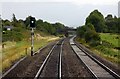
(119, 9)
(8, 28)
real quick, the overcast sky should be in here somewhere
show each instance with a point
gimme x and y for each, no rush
(69, 12)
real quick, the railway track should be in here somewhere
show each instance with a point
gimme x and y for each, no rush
(28, 66)
(98, 69)
(61, 61)
(51, 66)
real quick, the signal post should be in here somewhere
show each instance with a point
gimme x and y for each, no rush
(32, 25)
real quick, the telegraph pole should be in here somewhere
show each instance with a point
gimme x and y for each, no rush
(32, 25)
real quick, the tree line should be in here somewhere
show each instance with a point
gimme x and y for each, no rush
(19, 27)
(96, 23)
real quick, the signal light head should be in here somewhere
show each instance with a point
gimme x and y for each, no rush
(32, 22)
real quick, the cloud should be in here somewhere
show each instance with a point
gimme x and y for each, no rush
(94, 2)
(69, 12)
(77, 2)
(0, 9)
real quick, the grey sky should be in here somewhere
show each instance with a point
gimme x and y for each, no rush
(119, 9)
(67, 13)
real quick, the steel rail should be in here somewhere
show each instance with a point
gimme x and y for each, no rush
(47, 58)
(101, 64)
(60, 61)
(21, 61)
(95, 76)
(13, 67)
(111, 72)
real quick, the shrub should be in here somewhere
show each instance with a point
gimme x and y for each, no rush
(12, 36)
(89, 34)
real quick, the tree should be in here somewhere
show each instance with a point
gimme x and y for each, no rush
(48, 27)
(14, 20)
(27, 21)
(20, 28)
(112, 24)
(40, 25)
(97, 19)
(91, 26)
(80, 31)
(6, 23)
(89, 34)
(21, 23)
(118, 22)
(92, 37)
(59, 27)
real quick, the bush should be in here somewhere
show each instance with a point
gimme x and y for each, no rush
(107, 44)
(92, 38)
(94, 43)
(12, 36)
(89, 34)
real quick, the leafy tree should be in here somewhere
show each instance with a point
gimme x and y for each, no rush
(14, 20)
(6, 23)
(109, 17)
(118, 22)
(90, 26)
(20, 28)
(97, 19)
(112, 24)
(81, 30)
(60, 28)
(89, 34)
(92, 37)
(48, 27)
(21, 23)
(13, 35)
(27, 21)
(40, 25)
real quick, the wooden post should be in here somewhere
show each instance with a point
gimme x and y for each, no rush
(3, 46)
(26, 51)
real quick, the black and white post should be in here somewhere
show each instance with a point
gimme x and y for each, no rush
(32, 25)
(32, 41)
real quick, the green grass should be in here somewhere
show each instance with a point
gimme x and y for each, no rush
(108, 48)
(15, 50)
(114, 39)
(0, 58)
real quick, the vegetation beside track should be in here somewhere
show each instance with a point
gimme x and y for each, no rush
(15, 50)
(16, 38)
(109, 49)
(101, 35)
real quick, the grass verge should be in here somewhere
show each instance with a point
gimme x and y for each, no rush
(109, 49)
(15, 50)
